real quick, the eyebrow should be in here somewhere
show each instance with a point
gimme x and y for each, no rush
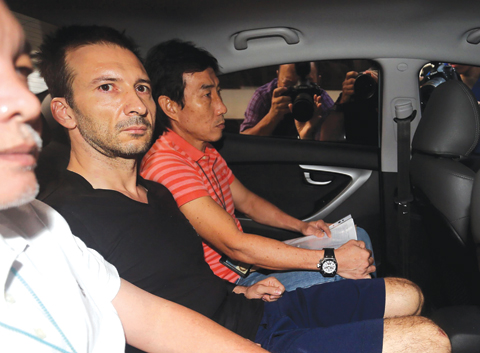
(142, 80)
(103, 79)
(23, 48)
(26, 48)
(204, 86)
(114, 79)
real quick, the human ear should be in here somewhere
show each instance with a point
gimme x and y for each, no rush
(169, 107)
(62, 113)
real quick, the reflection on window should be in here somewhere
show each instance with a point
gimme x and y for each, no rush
(324, 100)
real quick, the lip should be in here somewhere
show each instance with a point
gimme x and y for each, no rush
(22, 159)
(137, 129)
(221, 125)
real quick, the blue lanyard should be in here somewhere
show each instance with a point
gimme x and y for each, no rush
(46, 313)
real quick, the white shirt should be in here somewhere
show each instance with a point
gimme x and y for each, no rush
(74, 284)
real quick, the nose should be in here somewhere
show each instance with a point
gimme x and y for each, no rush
(221, 107)
(16, 101)
(134, 105)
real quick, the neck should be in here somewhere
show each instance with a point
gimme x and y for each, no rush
(111, 173)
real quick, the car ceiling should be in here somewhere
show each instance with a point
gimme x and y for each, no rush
(426, 29)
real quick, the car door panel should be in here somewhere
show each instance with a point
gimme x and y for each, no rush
(307, 179)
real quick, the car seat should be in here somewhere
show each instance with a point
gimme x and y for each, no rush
(462, 323)
(448, 132)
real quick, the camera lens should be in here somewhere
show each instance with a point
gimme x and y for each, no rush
(364, 86)
(303, 107)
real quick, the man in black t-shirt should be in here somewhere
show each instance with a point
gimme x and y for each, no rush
(108, 111)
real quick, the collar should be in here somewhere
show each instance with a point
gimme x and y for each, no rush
(179, 143)
(12, 244)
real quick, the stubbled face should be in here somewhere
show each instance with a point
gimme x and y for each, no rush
(114, 109)
(19, 111)
(287, 77)
(202, 118)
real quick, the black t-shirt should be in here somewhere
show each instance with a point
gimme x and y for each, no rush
(152, 246)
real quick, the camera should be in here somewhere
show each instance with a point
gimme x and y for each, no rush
(432, 75)
(364, 86)
(302, 94)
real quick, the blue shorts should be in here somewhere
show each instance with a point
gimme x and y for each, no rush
(339, 317)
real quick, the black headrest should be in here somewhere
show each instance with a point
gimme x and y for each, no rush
(450, 122)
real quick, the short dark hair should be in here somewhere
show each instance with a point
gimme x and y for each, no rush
(166, 63)
(53, 51)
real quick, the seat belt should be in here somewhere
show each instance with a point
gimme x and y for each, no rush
(404, 116)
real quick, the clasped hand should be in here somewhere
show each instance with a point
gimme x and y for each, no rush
(269, 289)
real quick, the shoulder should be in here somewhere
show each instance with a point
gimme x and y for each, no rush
(49, 217)
(163, 153)
(265, 92)
(49, 234)
(70, 195)
(167, 165)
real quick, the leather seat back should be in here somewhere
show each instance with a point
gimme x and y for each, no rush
(448, 132)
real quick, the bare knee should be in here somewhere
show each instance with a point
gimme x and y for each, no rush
(403, 298)
(414, 334)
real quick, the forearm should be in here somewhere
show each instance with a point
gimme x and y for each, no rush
(271, 254)
(219, 229)
(307, 132)
(333, 127)
(264, 127)
(156, 325)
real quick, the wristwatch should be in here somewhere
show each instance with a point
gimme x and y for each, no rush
(328, 265)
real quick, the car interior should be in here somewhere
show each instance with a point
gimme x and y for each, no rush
(405, 166)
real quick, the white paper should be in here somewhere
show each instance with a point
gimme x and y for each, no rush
(342, 231)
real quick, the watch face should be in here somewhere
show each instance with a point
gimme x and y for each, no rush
(329, 266)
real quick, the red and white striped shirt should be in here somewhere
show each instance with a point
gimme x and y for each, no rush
(190, 174)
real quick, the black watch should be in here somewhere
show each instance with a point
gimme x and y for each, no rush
(328, 265)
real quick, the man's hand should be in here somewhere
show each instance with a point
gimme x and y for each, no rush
(269, 289)
(354, 260)
(269, 122)
(318, 228)
(347, 86)
(280, 103)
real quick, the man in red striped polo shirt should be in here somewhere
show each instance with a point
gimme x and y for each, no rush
(187, 90)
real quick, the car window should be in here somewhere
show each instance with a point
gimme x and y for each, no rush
(258, 101)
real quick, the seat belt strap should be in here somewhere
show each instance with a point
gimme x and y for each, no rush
(404, 116)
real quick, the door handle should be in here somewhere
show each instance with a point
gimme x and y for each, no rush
(313, 182)
(241, 39)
